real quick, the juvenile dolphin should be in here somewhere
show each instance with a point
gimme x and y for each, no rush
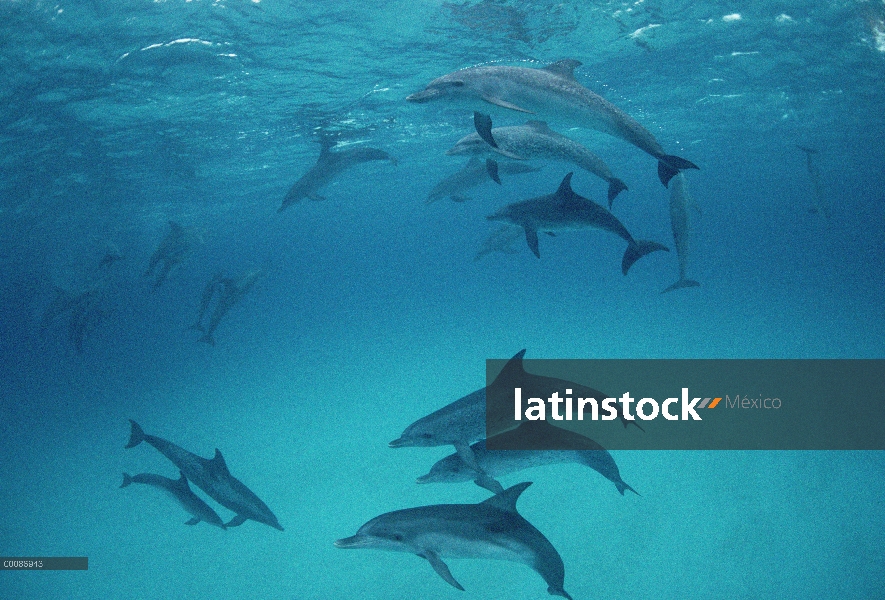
(564, 210)
(211, 476)
(328, 166)
(496, 463)
(552, 93)
(680, 222)
(500, 240)
(536, 140)
(231, 291)
(492, 529)
(181, 491)
(471, 175)
(173, 249)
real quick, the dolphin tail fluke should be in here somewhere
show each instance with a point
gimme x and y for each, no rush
(483, 125)
(682, 283)
(637, 250)
(621, 485)
(615, 187)
(136, 436)
(669, 166)
(207, 338)
(127, 480)
(558, 592)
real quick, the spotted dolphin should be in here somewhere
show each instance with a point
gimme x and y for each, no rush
(181, 491)
(564, 210)
(497, 463)
(492, 529)
(328, 166)
(536, 140)
(211, 476)
(471, 175)
(552, 93)
(680, 223)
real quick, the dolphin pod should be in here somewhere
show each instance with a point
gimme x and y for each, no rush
(551, 93)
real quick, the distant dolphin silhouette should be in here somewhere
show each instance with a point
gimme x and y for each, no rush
(181, 491)
(211, 476)
(536, 140)
(492, 529)
(173, 249)
(564, 210)
(820, 205)
(471, 175)
(552, 93)
(328, 166)
(500, 240)
(230, 292)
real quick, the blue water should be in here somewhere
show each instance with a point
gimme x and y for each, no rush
(116, 117)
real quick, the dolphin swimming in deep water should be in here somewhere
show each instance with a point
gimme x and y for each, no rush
(471, 175)
(492, 529)
(565, 210)
(680, 222)
(327, 167)
(820, 205)
(230, 291)
(211, 476)
(536, 140)
(181, 491)
(206, 298)
(172, 250)
(496, 463)
(500, 240)
(553, 94)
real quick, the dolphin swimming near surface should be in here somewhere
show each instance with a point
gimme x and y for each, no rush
(471, 175)
(211, 476)
(552, 93)
(181, 491)
(496, 463)
(492, 529)
(536, 140)
(679, 221)
(173, 249)
(230, 292)
(328, 166)
(564, 210)
(500, 240)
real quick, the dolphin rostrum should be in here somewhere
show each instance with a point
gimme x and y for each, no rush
(327, 167)
(536, 140)
(471, 175)
(181, 491)
(492, 529)
(211, 476)
(496, 463)
(680, 222)
(565, 210)
(552, 93)
(172, 250)
(230, 291)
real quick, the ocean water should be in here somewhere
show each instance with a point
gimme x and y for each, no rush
(118, 117)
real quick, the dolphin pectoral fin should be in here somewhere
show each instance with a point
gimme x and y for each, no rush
(505, 104)
(492, 170)
(483, 125)
(615, 187)
(193, 521)
(236, 521)
(682, 283)
(465, 453)
(441, 568)
(637, 250)
(492, 485)
(669, 166)
(531, 238)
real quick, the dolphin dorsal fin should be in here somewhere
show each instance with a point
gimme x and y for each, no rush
(564, 68)
(182, 482)
(506, 500)
(513, 370)
(218, 463)
(565, 191)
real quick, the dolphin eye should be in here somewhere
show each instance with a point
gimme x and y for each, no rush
(396, 537)
(426, 436)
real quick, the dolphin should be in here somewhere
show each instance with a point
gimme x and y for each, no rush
(471, 175)
(181, 491)
(565, 210)
(211, 476)
(820, 205)
(327, 167)
(173, 249)
(500, 240)
(206, 299)
(552, 93)
(536, 140)
(679, 221)
(231, 291)
(492, 529)
(85, 318)
(496, 463)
